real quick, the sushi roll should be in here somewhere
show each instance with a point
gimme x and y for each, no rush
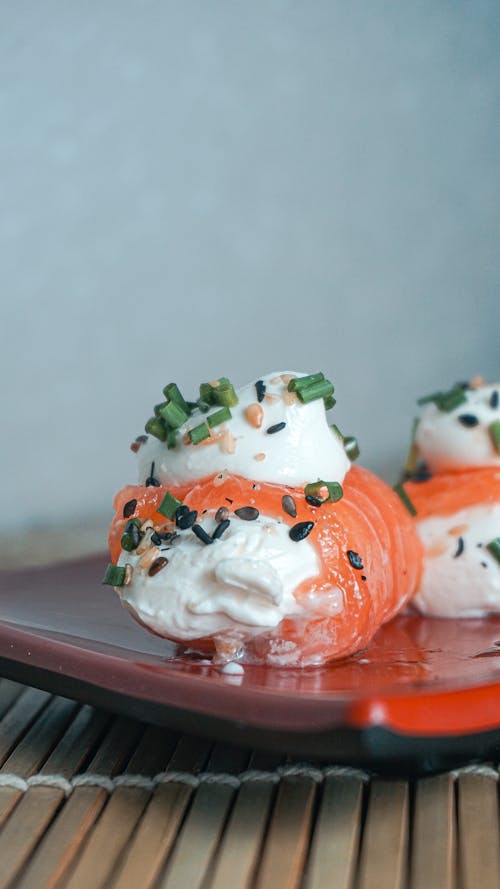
(453, 487)
(251, 536)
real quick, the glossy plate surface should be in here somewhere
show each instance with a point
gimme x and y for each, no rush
(422, 685)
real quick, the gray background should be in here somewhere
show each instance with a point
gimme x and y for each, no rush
(195, 189)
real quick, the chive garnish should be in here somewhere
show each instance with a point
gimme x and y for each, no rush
(169, 505)
(225, 394)
(199, 433)
(155, 426)
(400, 491)
(171, 438)
(298, 383)
(445, 401)
(494, 430)
(351, 447)
(220, 416)
(337, 431)
(157, 408)
(173, 414)
(494, 548)
(206, 394)
(316, 490)
(330, 402)
(172, 393)
(315, 391)
(114, 575)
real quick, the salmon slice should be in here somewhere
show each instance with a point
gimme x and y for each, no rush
(449, 492)
(367, 546)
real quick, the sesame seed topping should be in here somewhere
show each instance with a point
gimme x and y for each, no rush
(289, 505)
(247, 513)
(494, 399)
(300, 531)
(185, 517)
(313, 501)
(468, 420)
(221, 527)
(355, 559)
(201, 534)
(276, 428)
(260, 388)
(460, 548)
(222, 514)
(157, 565)
(129, 508)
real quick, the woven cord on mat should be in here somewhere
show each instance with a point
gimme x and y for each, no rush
(146, 782)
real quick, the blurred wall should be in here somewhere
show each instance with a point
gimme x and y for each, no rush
(204, 188)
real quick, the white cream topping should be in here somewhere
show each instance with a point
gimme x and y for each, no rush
(243, 581)
(454, 583)
(305, 450)
(444, 442)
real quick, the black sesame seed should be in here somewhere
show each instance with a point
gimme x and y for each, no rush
(222, 514)
(155, 538)
(134, 533)
(468, 420)
(289, 505)
(228, 499)
(313, 501)
(260, 388)
(494, 399)
(355, 559)
(460, 548)
(300, 531)
(363, 577)
(247, 513)
(484, 564)
(129, 508)
(157, 565)
(201, 534)
(276, 428)
(221, 527)
(185, 517)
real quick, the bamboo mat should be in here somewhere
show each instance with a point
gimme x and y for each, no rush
(93, 801)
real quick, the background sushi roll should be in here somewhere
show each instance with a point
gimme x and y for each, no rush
(453, 484)
(254, 538)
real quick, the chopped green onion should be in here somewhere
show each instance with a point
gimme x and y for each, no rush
(411, 463)
(127, 542)
(330, 402)
(494, 548)
(219, 417)
(207, 393)
(169, 505)
(494, 430)
(171, 438)
(351, 447)
(315, 391)
(155, 426)
(400, 491)
(172, 393)
(199, 433)
(337, 431)
(334, 489)
(203, 406)
(297, 383)
(445, 401)
(225, 394)
(157, 408)
(173, 414)
(114, 575)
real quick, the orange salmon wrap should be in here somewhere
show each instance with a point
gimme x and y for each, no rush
(448, 492)
(367, 546)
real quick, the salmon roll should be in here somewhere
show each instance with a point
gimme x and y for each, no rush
(453, 488)
(251, 537)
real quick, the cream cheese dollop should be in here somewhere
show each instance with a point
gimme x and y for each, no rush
(304, 450)
(449, 440)
(461, 578)
(246, 579)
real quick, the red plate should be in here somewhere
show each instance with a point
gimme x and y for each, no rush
(425, 693)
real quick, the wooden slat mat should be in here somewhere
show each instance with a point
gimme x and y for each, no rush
(92, 801)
